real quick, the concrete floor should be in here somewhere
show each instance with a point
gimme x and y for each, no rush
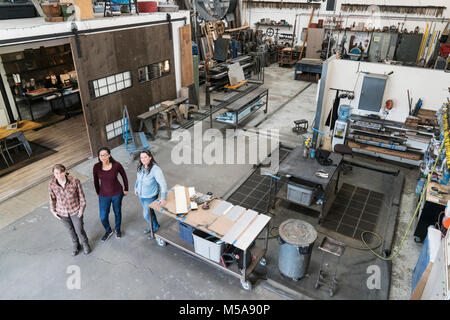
(35, 260)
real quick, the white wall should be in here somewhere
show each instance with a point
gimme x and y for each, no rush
(17, 29)
(432, 86)
(383, 19)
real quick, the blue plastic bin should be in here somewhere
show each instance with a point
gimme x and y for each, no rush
(186, 232)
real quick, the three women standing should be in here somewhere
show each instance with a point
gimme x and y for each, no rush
(149, 183)
(109, 190)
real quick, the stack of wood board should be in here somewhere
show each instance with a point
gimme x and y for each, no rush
(427, 117)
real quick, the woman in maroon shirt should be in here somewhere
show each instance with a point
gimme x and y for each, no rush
(109, 189)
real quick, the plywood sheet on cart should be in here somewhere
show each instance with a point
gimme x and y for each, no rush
(236, 230)
(252, 231)
(221, 226)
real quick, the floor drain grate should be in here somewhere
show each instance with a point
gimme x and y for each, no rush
(353, 211)
(253, 193)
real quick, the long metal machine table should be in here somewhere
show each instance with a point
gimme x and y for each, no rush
(245, 106)
(298, 171)
(233, 225)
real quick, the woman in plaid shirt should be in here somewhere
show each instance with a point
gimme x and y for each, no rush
(67, 204)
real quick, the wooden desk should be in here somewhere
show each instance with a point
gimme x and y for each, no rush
(25, 125)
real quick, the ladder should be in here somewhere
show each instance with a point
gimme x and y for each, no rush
(135, 142)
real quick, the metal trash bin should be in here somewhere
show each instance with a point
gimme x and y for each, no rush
(296, 239)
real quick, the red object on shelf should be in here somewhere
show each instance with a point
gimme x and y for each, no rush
(147, 6)
(445, 50)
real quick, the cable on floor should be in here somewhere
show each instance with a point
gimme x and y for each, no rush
(414, 215)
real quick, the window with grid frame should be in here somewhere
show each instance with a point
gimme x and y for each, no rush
(114, 129)
(154, 71)
(104, 86)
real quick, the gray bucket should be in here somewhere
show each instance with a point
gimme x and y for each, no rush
(296, 239)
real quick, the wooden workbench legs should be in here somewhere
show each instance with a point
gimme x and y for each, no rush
(167, 120)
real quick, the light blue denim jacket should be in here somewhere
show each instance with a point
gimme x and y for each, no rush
(148, 185)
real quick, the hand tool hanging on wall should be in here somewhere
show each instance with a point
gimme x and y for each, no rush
(389, 104)
(409, 103)
(417, 107)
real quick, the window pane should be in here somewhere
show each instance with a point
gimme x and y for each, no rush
(142, 74)
(109, 127)
(112, 88)
(120, 85)
(97, 93)
(166, 67)
(110, 135)
(102, 82)
(119, 77)
(118, 131)
(111, 80)
(127, 83)
(127, 75)
(95, 83)
(103, 91)
(118, 124)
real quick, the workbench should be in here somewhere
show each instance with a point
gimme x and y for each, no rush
(245, 106)
(309, 66)
(163, 113)
(295, 170)
(432, 208)
(233, 225)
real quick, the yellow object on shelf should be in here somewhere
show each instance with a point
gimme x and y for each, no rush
(236, 86)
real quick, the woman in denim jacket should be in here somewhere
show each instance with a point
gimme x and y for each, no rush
(149, 183)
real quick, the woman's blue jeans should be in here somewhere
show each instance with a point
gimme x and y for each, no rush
(146, 211)
(105, 206)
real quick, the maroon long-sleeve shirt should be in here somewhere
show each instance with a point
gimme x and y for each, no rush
(106, 182)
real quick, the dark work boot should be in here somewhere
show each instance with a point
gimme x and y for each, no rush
(86, 248)
(76, 249)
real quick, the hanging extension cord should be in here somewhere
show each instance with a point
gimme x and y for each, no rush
(412, 218)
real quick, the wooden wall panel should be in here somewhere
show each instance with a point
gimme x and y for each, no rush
(114, 52)
(187, 68)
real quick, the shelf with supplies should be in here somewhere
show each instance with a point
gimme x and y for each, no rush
(273, 25)
(387, 139)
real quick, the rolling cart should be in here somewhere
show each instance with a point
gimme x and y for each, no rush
(325, 278)
(220, 227)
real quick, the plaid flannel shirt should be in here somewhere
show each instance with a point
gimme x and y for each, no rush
(67, 200)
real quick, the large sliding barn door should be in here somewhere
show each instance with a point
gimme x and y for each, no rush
(115, 53)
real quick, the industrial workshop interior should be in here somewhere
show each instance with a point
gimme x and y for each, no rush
(298, 150)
